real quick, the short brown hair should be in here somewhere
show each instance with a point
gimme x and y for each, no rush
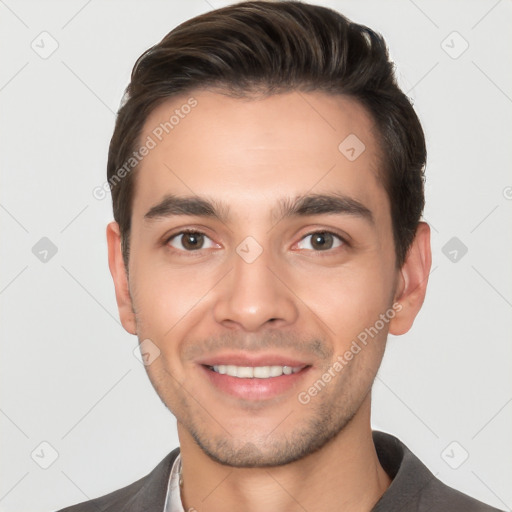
(265, 47)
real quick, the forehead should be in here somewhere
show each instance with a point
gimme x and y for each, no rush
(246, 151)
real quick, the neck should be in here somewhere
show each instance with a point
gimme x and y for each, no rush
(345, 474)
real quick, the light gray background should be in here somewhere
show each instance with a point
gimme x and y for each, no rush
(68, 373)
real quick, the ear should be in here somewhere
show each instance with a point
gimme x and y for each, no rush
(119, 275)
(412, 281)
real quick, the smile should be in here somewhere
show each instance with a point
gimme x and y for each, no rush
(255, 383)
(255, 372)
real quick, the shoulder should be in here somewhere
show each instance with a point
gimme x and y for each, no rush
(413, 486)
(444, 498)
(147, 493)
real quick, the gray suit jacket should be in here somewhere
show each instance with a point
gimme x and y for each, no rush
(413, 489)
(145, 495)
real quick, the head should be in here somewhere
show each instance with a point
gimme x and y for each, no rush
(276, 132)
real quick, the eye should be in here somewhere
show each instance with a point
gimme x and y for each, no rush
(190, 241)
(320, 241)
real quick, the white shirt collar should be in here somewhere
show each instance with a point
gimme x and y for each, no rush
(173, 497)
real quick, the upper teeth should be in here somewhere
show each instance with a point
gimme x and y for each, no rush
(260, 372)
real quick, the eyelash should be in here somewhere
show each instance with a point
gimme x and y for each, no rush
(342, 239)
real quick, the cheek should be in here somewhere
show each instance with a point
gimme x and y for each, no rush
(166, 299)
(349, 299)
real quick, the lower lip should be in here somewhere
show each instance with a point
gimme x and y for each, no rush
(254, 388)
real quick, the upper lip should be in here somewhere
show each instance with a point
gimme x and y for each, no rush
(242, 359)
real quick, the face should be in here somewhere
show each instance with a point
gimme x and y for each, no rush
(261, 253)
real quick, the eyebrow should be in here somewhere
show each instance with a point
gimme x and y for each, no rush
(300, 206)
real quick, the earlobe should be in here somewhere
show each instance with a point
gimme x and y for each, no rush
(119, 275)
(413, 279)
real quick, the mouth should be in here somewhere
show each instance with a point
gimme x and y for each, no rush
(254, 381)
(255, 372)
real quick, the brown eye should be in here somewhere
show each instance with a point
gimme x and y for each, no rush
(190, 241)
(320, 241)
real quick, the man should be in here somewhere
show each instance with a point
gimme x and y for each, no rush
(267, 184)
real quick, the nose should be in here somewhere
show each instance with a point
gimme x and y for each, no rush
(255, 295)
